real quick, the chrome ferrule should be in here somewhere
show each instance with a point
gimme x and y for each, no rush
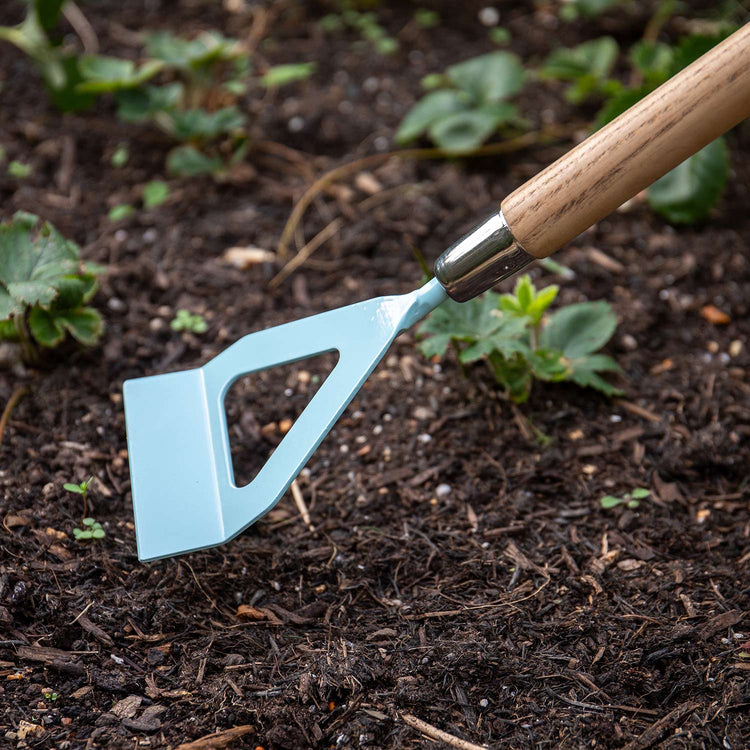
(487, 254)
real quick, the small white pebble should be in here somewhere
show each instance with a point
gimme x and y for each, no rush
(615, 418)
(116, 304)
(344, 448)
(358, 414)
(664, 294)
(443, 490)
(484, 703)
(387, 417)
(150, 235)
(489, 16)
(360, 439)
(381, 143)
(424, 438)
(370, 85)
(735, 348)
(377, 429)
(485, 545)
(295, 124)
(724, 358)
(346, 107)
(436, 368)
(306, 472)
(121, 235)
(288, 392)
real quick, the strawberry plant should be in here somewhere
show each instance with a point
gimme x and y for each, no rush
(44, 287)
(57, 63)
(519, 342)
(467, 104)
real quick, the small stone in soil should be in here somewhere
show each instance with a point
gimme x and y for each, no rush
(443, 490)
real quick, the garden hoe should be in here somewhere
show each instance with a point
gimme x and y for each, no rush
(184, 495)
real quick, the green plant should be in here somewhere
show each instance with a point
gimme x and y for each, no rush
(120, 211)
(196, 102)
(19, 170)
(688, 192)
(426, 18)
(187, 321)
(572, 10)
(366, 24)
(512, 333)
(91, 530)
(80, 489)
(630, 499)
(120, 156)
(155, 193)
(468, 103)
(50, 696)
(44, 287)
(57, 64)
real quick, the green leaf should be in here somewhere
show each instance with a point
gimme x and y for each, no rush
(8, 330)
(427, 110)
(120, 211)
(541, 302)
(687, 193)
(34, 259)
(572, 10)
(189, 124)
(653, 59)
(577, 330)
(489, 78)
(73, 488)
(426, 18)
(188, 161)
(45, 328)
(48, 12)
(62, 85)
(690, 48)
(84, 324)
(524, 292)
(98, 533)
(281, 75)
(192, 55)
(584, 372)
(463, 132)
(595, 58)
(143, 103)
(73, 291)
(155, 193)
(639, 493)
(514, 374)
(499, 35)
(549, 365)
(120, 156)
(106, 74)
(19, 170)
(88, 521)
(610, 501)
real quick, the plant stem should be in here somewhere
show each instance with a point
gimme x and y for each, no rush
(29, 350)
(15, 397)
(85, 507)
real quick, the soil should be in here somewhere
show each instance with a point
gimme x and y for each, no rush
(455, 570)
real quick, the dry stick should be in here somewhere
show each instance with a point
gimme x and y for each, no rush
(439, 734)
(15, 397)
(82, 27)
(217, 739)
(513, 144)
(294, 263)
(657, 730)
(299, 501)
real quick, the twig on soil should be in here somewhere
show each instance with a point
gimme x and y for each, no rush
(83, 29)
(217, 739)
(366, 162)
(294, 263)
(82, 612)
(438, 734)
(15, 397)
(299, 501)
(656, 731)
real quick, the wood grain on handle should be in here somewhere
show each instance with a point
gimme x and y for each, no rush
(673, 122)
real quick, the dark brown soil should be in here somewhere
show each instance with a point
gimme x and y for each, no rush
(506, 608)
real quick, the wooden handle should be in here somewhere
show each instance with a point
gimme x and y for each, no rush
(673, 122)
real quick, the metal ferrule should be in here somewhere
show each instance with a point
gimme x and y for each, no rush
(487, 254)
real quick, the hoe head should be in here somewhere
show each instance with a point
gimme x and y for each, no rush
(182, 480)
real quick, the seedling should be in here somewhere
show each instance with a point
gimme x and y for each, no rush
(49, 695)
(426, 18)
(91, 530)
(466, 104)
(512, 333)
(572, 10)
(19, 170)
(629, 499)
(120, 211)
(56, 63)
(155, 193)
(80, 489)
(120, 156)
(366, 23)
(44, 287)
(187, 321)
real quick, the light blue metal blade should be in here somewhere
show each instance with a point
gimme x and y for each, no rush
(182, 481)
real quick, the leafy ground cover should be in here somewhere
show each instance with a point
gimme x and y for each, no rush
(454, 570)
